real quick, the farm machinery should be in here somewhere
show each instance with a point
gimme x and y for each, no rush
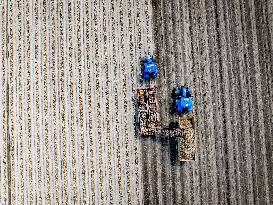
(182, 107)
(148, 114)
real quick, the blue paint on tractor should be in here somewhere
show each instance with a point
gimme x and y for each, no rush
(183, 100)
(149, 68)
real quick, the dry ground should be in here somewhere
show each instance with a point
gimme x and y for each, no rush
(67, 69)
(223, 50)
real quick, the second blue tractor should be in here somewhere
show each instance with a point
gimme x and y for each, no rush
(182, 100)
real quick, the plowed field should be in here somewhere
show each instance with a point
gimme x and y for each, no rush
(67, 72)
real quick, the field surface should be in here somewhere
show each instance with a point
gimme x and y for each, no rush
(67, 75)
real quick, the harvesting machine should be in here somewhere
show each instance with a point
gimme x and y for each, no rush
(148, 115)
(182, 107)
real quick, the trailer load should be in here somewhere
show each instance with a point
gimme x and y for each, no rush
(182, 107)
(186, 142)
(148, 113)
(148, 116)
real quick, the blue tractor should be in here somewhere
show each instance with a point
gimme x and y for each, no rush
(183, 100)
(148, 67)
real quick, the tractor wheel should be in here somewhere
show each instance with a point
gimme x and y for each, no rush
(176, 93)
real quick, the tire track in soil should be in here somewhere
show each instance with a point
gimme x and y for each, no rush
(213, 68)
(199, 183)
(63, 93)
(95, 104)
(99, 94)
(259, 45)
(14, 106)
(236, 83)
(58, 90)
(130, 136)
(85, 22)
(147, 47)
(125, 83)
(120, 105)
(41, 174)
(112, 112)
(170, 77)
(178, 65)
(247, 128)
(187, 44)
(3, 196)
(117, 90)
(25, 78)
(142, 30)
(196, 177)
(104, 97)
(76, 104)
(236, 106)
(138, 148)
(156, 146)
(233, 104)
(268, 72)
(33, 106)
(205, 94)
(92, 102)
(68, 147)
(3, 120)
(164, 118)
(156, 143)
(49, 99)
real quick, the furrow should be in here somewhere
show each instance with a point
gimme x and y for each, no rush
(2, 103)
(138, 147)
(103, 94)
(148, 142)
(86, 120)
(68, 147)
(219, 63)
(131, 134)
(33, 104)
(200, 180)
(25, 134)
(113, 136)
(43, 187)
(188, 172)
(94, 107)
(158, 142)
(15, 193)
(75, 72)
(206, 100)
(259, 50)
(49, 128)
(234, 92)
(120, 37)
(170, 77)
(58, 87)
(92, 100)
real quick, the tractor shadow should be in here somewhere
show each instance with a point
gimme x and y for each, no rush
(160, 148)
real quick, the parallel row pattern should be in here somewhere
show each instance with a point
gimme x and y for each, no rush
(66, 89)
(223, 50)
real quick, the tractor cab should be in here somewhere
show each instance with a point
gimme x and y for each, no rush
(183, 105)
(183, 99)
(149, 68)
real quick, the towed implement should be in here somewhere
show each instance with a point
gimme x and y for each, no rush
(182, 107)
(148, 114)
